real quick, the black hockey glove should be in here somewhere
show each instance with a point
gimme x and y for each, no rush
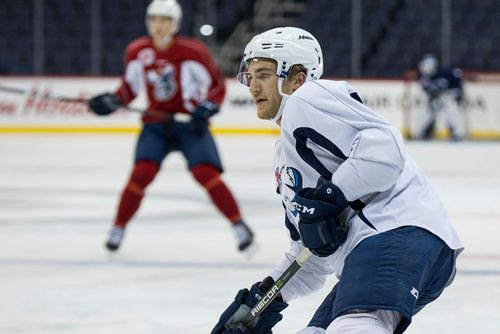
(318, 209)
(105, 104)
(230, 320)
(200, 116)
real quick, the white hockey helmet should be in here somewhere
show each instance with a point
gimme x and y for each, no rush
(167, 8)
(288, 46)
(428, 65)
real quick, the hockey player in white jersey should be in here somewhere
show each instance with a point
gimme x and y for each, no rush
(351, 194)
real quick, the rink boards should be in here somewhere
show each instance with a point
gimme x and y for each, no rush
(399, 101)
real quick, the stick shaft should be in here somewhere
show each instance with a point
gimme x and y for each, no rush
(12, 90)
(270, 294)
(20, 91)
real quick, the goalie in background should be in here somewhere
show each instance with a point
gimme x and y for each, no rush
(180, 78)
(444, 90)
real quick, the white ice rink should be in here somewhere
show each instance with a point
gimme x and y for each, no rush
(178, 268)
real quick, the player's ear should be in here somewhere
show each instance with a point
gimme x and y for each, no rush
(298, 80)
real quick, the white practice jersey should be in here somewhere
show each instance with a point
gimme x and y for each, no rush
(326, 132)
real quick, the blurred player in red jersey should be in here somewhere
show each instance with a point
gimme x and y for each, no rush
(184, 89)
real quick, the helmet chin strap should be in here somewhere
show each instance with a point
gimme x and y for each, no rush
(284, 97)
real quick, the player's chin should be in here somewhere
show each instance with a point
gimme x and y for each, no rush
(263, 114)
(159, 36)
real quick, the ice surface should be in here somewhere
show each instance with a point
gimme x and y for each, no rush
(178, 268)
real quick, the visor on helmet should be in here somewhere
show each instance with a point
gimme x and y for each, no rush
(245, 77)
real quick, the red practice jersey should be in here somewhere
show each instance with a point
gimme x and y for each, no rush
(175, 79)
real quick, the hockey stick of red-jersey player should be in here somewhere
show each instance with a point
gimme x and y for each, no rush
(37, 94)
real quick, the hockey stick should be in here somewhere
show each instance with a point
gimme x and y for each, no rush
(20, 91)
(275, 289)
(178, 117)
(33, 93)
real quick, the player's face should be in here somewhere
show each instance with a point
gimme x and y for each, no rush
(160, 27)
(263, 86)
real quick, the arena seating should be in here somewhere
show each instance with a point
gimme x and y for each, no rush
(395, 33)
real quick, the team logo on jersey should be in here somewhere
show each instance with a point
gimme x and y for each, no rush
(277, 175)
(146, 57)
(292, 179)
(163, 80)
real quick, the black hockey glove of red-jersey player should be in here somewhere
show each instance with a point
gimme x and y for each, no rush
(105, 104)
(200, 116)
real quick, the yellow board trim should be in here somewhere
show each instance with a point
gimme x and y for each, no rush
(472, 134)
(480, 135)
(66, 130)
(244, 131)
(122, 130)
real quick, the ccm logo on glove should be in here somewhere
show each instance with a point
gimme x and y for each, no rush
(303, 209)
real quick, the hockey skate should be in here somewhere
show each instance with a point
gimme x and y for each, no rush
(243, 234)
(115, 238)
